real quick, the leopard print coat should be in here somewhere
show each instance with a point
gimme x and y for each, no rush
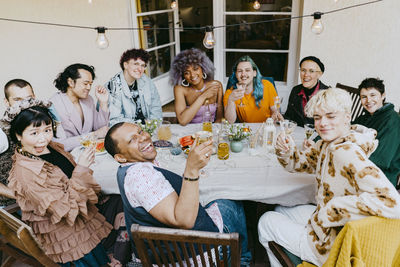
(349, 185)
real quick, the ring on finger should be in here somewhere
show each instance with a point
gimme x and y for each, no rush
(206, 155)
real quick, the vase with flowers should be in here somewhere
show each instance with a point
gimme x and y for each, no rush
(237, 133)
(150, 125)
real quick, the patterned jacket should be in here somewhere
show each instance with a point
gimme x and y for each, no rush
(123, 108)
(349, 185)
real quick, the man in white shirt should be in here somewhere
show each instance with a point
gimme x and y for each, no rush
(157, 197)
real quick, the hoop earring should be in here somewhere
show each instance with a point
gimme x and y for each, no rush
(185, 83)
(204, 75)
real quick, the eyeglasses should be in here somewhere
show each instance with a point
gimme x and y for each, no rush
(304, 71)
(137, 64)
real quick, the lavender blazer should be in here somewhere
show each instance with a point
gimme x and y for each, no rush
(71, 128)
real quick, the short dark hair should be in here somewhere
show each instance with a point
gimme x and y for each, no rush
(372, 82)
(110, 144)
(35, 115)
(17, 82)
(72, 71)
(134, 54)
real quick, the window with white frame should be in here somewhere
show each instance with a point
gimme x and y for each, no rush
(266, 43)
(160, 43)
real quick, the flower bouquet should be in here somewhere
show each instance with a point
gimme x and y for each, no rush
(238, 132)
(150, 125)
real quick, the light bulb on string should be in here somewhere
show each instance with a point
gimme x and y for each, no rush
(256, 5)
(317, 26)
(101, 41)
(89, 1)
(173, 4)
(209, 41)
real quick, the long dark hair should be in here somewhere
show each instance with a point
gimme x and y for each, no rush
(35, 115)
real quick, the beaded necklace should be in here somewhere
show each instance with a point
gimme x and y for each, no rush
(26, 153)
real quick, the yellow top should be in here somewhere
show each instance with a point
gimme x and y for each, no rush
(250, 112)
(373, 241)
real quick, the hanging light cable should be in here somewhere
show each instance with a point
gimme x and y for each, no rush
(209, 41)
(174, 4)
(317, 27)
(256, 5)
(101, 41)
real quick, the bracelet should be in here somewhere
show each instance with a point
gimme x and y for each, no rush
(191, 179)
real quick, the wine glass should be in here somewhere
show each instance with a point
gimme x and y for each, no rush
(309, 130)
(201, 137)
(288, 126)
(241, 86)
(278, 103)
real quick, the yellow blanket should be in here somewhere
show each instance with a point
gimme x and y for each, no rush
(373, 241)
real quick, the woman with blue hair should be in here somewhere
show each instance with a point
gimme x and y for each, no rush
(249, 98)
(195, 90)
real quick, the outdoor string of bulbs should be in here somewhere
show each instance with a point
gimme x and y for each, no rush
(209, 42)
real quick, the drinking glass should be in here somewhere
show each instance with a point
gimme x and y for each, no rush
(164, 132)
(239, 87)
(203, 136)
(88, 140)
(309, 130)
(223, 146)
(278, 103)
(207, 121)
(288, 126)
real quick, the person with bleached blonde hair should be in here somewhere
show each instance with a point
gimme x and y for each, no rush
(349, 185)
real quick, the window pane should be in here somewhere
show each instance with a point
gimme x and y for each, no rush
(270, 64)
(160, 60)
(269, 35)
(154, 37)
(152, 5)
(266, 5)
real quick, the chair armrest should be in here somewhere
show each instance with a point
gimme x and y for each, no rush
(12, 208)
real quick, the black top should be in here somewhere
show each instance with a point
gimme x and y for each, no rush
(57, 159)
(295, 110)
(135, 97)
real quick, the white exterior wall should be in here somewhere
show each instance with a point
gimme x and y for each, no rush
(356, 43)
(37, 53)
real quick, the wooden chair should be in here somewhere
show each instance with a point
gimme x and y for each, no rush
(280, 254)
(19, 242)
(160, 241)
(356, 107)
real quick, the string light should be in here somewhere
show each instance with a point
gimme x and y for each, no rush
(317, 26)
(256, 5)
(89, 1)
(173, 4)
(208, 40)
(101, 41)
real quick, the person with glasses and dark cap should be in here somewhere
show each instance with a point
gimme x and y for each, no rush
(311, 70)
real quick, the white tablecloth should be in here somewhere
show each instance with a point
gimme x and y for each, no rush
(242, 177)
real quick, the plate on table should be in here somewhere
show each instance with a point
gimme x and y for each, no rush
(162, 143)
(100, 149)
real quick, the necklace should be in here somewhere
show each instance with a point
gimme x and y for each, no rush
(26, 153)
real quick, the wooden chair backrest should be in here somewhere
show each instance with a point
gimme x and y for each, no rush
(19, 235)
(161, 240)
(356, 107)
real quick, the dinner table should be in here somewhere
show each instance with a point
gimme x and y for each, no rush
(252, 174)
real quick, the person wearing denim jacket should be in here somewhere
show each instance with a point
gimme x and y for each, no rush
(133, 95)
